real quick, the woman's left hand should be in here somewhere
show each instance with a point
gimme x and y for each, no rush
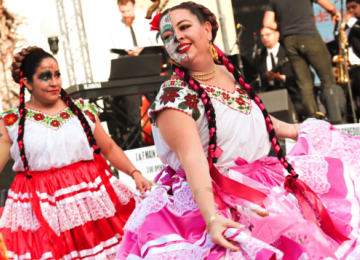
(141, 182)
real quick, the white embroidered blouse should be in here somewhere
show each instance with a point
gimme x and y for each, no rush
(51, 141)
(241, 129)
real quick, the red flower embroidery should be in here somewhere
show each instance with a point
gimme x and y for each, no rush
(55, 123)
(172, 83)
(183, 84)
(240, 101)
(10, 119)
(39, 117)
(90, 115)
(210, 90)
(81, 102)
(64, 115)
(240, 91)
(191, 101)
(169, 95)
(225, 96)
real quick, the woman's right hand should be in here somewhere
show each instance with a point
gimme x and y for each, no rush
(217, 229)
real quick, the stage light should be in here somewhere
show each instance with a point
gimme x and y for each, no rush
(50, 29)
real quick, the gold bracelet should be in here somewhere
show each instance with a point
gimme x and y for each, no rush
(202, 189)
(211, 220)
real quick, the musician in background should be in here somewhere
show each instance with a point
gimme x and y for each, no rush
(353, 32)
(270, 56)
(304, 45)
(132, 31)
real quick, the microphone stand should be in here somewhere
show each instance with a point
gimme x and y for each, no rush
(241, 30)
(255, 58)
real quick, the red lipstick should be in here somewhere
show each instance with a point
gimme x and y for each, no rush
(184, 47)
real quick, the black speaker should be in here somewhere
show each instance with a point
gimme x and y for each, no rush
(279, 105)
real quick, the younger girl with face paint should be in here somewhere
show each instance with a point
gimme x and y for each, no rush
(221, 197)
(64, 202)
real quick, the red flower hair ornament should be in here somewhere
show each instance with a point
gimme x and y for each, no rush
(155, 23)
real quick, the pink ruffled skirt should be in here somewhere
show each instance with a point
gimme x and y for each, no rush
(169, 225)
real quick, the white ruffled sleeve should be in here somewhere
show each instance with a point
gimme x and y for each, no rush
(176, 94)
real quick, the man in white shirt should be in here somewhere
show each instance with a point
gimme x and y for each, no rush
(353, 33)
(132, 31)
(270, 57)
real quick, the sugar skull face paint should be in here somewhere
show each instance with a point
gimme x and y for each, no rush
(174, 48)
(47, 81)
(45, 76)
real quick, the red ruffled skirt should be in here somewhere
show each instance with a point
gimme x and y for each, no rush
(75, 212)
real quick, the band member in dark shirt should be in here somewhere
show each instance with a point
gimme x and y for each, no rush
(304, 47)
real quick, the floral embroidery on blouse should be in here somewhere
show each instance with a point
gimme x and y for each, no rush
(239, 100)
(169, 95)
(175, 94)
(12, 117)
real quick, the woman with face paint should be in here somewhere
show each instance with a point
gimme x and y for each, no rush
(221, 197)
(64, 202)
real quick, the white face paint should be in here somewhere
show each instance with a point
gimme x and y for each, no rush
(168, 35)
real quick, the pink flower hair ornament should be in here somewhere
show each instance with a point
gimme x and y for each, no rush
(155, 23)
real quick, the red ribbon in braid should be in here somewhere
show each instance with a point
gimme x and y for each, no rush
(22, 113)
(312, 207)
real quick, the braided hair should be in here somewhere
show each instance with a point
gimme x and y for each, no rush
(205, 15)
(25, 64)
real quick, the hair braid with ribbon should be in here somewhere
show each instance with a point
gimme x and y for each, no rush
(25, 64)
(269, 125)
(22, 112)
(80, 115)
(209, 109)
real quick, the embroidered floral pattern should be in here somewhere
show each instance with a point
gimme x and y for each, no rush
(209, 90)
(38, 117)
(239, 100)
(90, 115)
(175, 94)
(225, 96)
(191, 101)
(12, 117)
(240, 91)
(55, 123)
(64, 115)
(169, 95)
